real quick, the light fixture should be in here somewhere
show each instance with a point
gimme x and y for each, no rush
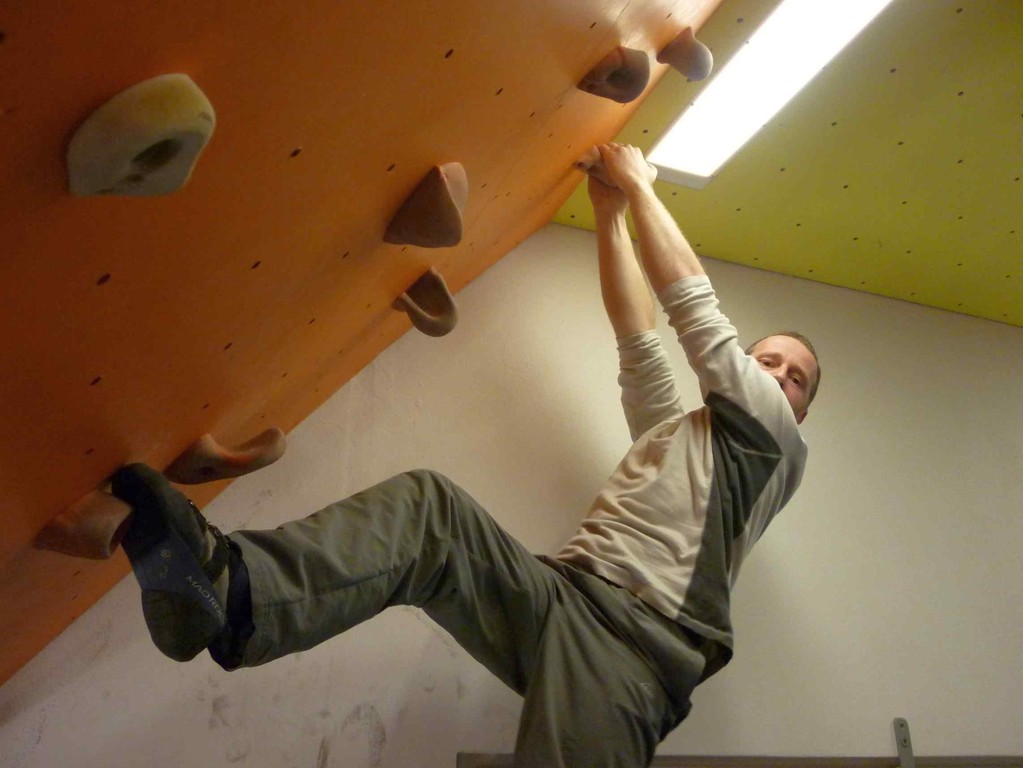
(782, 56)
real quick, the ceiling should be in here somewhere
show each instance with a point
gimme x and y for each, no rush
(895, 172)
(132, 326)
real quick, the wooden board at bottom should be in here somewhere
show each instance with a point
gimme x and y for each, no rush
(481, 760)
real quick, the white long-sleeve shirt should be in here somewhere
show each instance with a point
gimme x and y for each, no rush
(696, 490)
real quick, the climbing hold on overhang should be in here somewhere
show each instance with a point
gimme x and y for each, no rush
(207, 460)
(144, 141)
(431, 215)
(621, 76)
(92, 527)
(429, 304)
(688, 55)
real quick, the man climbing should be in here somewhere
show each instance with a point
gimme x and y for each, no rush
(606, 640)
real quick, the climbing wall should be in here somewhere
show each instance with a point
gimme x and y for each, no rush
(132, 325)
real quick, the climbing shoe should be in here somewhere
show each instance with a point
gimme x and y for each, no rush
(179, 560)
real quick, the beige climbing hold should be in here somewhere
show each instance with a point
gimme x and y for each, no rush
(688, 55)
(431, 216)
(592, 164)
(144, 141)
(93, 527)
(429, 304)
(621, 76)
(207, 460)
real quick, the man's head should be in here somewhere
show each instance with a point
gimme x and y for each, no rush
(790, 358)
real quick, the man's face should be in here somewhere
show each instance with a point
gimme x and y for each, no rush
(792, 366)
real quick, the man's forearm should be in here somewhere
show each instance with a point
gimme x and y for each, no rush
(667, 256)
(625, 293)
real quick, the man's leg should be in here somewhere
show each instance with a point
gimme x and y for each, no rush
(595, 699)
(415, 539)
(591, 701)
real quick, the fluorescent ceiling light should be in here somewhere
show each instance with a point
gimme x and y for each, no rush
(782, 56)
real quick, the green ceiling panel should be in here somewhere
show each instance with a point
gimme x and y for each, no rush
(896, 171)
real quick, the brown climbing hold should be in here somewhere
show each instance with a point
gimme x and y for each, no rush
(429, 304)
(688, 55)
(207, 460)
(621, 76)
(431, 216)
(92, 527)
(592, 164)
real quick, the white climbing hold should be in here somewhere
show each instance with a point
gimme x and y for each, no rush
(144, 141)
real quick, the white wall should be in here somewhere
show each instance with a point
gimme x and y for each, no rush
(891, 586)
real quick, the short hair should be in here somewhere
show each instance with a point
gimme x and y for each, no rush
(806, 343)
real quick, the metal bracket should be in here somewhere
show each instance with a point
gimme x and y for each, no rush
(903, 743)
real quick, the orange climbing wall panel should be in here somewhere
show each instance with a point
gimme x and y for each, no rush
(131, 326)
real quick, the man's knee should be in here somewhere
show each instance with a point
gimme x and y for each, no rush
(427, 477)
(426, 488)
(431, 490)
(428, 483)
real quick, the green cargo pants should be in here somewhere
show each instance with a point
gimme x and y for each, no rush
(604, 677)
